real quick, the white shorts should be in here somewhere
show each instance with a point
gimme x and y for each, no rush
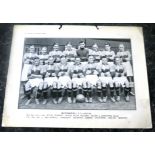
(121, 80)
(35, 82)
(50, 80)
(25, 70)
(106, 80)
(84, 63)
(79, 81)
(70, 64)
(64, 80)
(92, 79)
(128, 68)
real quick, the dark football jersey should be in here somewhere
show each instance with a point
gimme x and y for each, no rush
(83, 54)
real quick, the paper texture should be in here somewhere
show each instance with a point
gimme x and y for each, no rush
(139, 116)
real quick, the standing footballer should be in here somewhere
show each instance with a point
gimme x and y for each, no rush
(35, 77)
(125, 56)
(109, 54)
(70, 53)
(120, 79)
(95, 52)
(28, 61)
(82, 52)
(56, 53)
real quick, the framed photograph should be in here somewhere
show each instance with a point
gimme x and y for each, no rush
(77, 77)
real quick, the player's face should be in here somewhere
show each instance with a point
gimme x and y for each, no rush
(32, 49)
(51, 61)
(107, 47)
(91, 59)
(95, 48)
(121, 47)
(77, 60)
(104, 61)
(69, 47)
(36, 62)
(117, 61)
(82, 45)
(46, 62)
(44, 50)
(63, 61)
(56, 47)
(41, 62)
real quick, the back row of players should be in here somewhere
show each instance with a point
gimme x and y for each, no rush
(77, 71)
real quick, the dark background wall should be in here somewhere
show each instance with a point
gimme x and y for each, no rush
(5, 45)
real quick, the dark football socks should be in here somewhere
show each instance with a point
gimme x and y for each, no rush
(112, 91)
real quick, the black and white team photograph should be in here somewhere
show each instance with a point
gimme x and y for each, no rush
(77, 73)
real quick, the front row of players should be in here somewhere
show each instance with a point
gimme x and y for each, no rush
(56, 80)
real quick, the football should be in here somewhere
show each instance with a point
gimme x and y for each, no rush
(80, 98)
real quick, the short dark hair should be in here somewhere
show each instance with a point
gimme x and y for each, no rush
(68, 43)
(37, 59)
(55, 44)
(81, 42)
(90, 56)
(107, 44)
(104, 57)
(116, 57)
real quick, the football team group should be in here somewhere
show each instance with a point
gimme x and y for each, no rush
(75, 74)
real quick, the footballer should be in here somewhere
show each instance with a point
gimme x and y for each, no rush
(91, 78)
(28, 61)
(95, 52)
(82, 52)
(56, 53)
(51, 79)
(105, 81)
(70, 53)
(125, 56)
(64, 79)
(120, 80)
(78, 77)
(35, 77)
(44, 54)
(109, 54)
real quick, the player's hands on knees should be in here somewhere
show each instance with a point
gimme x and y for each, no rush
(60, 74)
(81, 75)
(53, 74)
(107, 74)
(47, 74)
(88, 72)
(102, 75)
(95, 73)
